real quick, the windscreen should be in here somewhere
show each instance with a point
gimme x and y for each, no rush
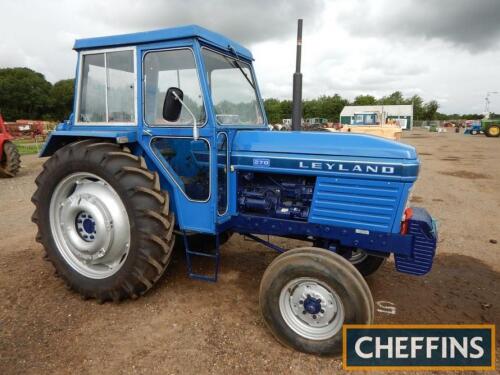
(233, 90)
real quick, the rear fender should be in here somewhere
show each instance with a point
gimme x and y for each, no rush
(61, 138)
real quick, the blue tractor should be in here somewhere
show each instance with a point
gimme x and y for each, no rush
(169, 142)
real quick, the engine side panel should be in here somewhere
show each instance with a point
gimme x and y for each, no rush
(357, 203)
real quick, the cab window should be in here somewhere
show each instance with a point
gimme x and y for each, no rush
(171, 68)
(107, 93)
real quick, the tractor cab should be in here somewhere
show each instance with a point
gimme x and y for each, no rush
(182, 91)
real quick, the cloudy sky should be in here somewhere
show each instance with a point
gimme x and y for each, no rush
(448, 50)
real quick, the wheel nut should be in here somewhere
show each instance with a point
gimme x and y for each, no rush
(301, 302)
(322, 311)
(304, 312)
(314, 316)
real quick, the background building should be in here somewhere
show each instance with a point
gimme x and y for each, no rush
(378, 114)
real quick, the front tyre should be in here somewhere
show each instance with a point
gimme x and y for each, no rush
(308, 294)
(103, 220)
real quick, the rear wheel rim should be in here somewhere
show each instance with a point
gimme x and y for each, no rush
(89, 225)
(311, 309)
(495, 130)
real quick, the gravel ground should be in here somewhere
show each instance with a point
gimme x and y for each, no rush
(187, 326)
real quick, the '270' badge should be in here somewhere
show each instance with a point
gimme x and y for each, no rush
(261, 162)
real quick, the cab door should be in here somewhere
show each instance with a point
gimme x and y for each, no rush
(186, 164)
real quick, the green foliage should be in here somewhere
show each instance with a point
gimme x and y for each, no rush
(277, 110)
(430, 110)
(364, 100)
(26, 94)
(62, 99)
(396, 98)
(330, 106)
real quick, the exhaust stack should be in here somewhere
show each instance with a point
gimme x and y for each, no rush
(297, 83)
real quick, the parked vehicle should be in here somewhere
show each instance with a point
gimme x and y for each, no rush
(474, 129)
(146, 160)
(10, 160)
(491, 128)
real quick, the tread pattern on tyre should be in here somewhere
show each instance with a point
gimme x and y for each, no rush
(151, 221)
(11, 160)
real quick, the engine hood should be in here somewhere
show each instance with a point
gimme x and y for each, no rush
(322, 143)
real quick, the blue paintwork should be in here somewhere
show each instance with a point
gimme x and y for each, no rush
(58, 138)
(322, 143)
(357, 203)
(374, 241)
(424, 232)
(404, 170)
(361, 182)
(312, 305)
(476, 127)
(163, 35)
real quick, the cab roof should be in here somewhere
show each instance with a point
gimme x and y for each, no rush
(174, 33)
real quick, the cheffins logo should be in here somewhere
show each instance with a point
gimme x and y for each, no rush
(419, 347)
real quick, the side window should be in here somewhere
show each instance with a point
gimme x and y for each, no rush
(172, 68)
(93, 92)
(107, 88)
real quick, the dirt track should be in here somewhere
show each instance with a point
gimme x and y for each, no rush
(187, 326)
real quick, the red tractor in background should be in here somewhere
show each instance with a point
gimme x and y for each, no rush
(10, 160)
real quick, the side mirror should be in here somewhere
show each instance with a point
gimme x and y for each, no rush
(172, 106)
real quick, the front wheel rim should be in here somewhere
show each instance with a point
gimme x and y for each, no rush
(311, 309)
(89, 225)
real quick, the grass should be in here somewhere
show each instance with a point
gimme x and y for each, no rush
(28, 146)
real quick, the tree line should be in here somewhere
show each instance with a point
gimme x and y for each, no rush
(329, 107)
(26, 94)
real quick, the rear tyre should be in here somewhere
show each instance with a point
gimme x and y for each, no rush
(366, 264)
(493, 131)
(103, 220)
(308, 294)
(11, 160)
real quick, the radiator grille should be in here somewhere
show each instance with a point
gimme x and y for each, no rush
(355, 203)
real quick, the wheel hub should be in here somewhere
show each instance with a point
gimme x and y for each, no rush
(311, 309)
(85, 226)
(312, 305)
(90, 225)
